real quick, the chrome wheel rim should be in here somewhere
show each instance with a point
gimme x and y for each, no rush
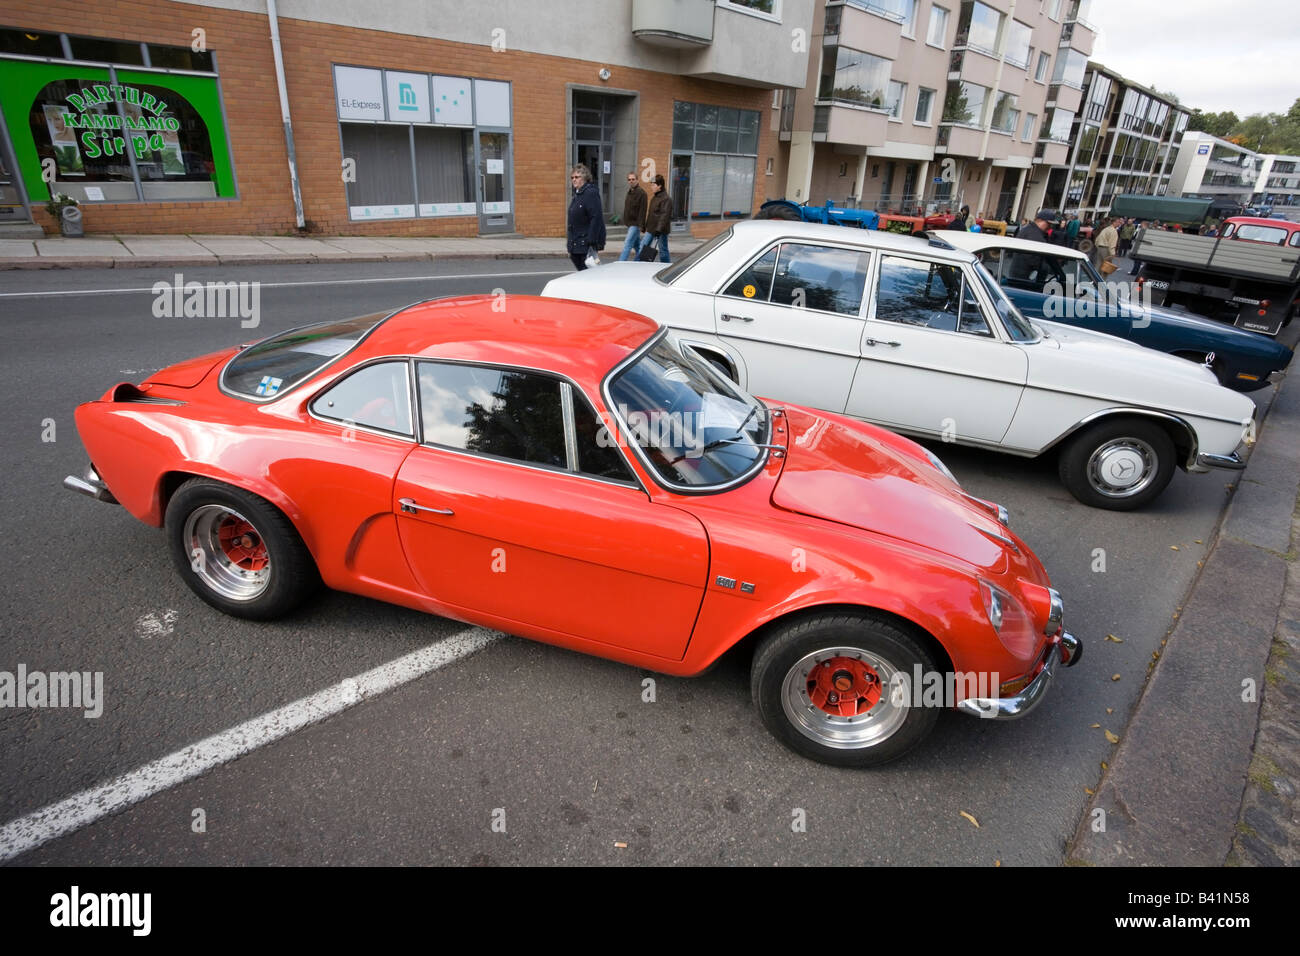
(1122, 467)
(227, 552)
(881, 707)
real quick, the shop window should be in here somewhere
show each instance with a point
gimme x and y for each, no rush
(383, 187)
(444, 161)
(30, 43)
(180, 58)
(106, 51)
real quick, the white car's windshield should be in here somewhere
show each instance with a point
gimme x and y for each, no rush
(693, 427)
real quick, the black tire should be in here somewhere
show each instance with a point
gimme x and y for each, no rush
(237, 551)
(1141, 463)
(885, 728)
(779, 212)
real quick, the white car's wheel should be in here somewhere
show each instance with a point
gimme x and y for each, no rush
(1119, 464)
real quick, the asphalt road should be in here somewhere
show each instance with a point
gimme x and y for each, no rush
(562, 743)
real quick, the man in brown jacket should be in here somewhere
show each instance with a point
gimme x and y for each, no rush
(659, 220)
(634, 210)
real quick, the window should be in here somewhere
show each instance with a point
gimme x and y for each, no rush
(492, 411)
(1070, 68)
(377, 396)
(767, 9)
(894, 99)
(820, 277)
(1032, 272)
(1005, 115)
(1054, 9)
(1018, 51)
(597, 452)
(272, 367)
(1040, 73)
(1261, 234)
(851, 76)
(382, 175)
(924, 104)
(982, 26)
(1087, 145)
(724, 142)
(938, 30)
(927, 294)
(1031, 123)
(1056, 126)
(965, 103)
(755, 280)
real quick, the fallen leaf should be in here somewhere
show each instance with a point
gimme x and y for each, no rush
(1094, 726)
(1117, 640)
(1114, 677)
(1103, 766)
(1110, 710)
(1091, 793)
(997, 862)
(1111, 737)
(621, 846)
(1173, 547)
(970, 818)
(1155, 655)
(1199, 541)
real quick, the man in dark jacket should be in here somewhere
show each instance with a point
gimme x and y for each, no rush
(634, 210)
(586, 219)
(959, 221)
(1036, 231)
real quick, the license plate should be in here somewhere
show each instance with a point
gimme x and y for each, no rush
(1157, 284)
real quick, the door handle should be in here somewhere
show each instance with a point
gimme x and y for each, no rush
(410, 507)
(883, 342)
(736, 318)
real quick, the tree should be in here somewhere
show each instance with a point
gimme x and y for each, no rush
(1216, 124)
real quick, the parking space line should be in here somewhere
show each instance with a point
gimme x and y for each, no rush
(81, 809)
(286, 285)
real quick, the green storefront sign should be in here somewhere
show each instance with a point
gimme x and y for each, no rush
(72, 127)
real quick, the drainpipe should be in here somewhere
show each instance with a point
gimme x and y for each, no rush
(284, 112)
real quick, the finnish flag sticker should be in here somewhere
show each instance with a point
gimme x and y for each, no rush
(269, 385)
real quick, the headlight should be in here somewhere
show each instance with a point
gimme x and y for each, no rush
(940, 467)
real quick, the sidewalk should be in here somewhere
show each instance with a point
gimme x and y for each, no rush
(1207, 771)
(124, 252)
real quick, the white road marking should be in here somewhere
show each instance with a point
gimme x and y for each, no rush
(285, 285)
(81, 809)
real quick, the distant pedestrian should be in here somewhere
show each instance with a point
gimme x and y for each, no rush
(1072, 231)
(1037, 230)
(959, 221)
(1104, 244)
(659, 218)
(1126, 233)
(634, 211)
(586, 233)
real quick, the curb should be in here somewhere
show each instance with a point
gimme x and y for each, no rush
(151, 262)
(1172, 795)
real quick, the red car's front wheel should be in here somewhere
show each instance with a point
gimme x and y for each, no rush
(237, 551)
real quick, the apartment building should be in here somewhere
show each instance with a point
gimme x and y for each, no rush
(922, 105)
(410, 117)
(1278, 185)
(1124, 139)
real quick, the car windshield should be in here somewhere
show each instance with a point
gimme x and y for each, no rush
(679, 268)
(1017, 326)
(275, 365)
(692, 426)
(1257, 233)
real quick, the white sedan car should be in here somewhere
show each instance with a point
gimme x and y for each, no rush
(915, 335)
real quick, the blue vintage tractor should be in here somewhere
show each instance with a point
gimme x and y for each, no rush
(829, 213)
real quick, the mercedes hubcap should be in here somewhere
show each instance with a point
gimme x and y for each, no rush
(1122, 467)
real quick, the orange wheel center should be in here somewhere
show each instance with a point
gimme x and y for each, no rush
(242, 545)
(844, 687)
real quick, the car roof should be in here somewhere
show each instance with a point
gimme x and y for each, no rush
(579, 340)
(1257, 221)
(977, 241)
(762, 231)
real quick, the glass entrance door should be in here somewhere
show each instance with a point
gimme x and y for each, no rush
(679, 187)
(496, 184)
(13, 207)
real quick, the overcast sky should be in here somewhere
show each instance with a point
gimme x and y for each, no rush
(1239, 55)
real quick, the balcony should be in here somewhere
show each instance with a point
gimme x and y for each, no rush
(1051, 152)
(960, 140)
(746, 50)
(850, 125)
(680, 24)
(1079, 35)
(860, 30)
(1065, 97)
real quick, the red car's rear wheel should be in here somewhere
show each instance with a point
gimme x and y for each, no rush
(237, 551)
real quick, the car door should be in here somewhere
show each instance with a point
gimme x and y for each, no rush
(933, 357)
(794, 316)
(511, 506)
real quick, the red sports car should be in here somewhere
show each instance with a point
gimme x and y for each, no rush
(575, 474)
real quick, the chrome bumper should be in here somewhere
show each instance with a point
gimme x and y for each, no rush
(1064, 653)
(90, 485)
(1205, 462)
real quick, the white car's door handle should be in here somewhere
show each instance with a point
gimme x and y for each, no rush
(736, 318)
(883, 342)
(410, 507)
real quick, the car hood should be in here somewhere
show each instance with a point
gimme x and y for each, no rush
(842, 471)
(1242, 341)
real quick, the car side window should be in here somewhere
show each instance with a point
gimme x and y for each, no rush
(598, 454)
(377, 396)
(492, 411)
(820, 277)
(928, 294)
(1025, 270)
(755, 281)
(991, 260)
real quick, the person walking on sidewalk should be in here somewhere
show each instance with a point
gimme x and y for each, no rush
(659, 219)
(634, 213)
(1104, 244)
(1126, 232)
(586, 234)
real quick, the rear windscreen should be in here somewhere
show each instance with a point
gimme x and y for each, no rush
(274, 366)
